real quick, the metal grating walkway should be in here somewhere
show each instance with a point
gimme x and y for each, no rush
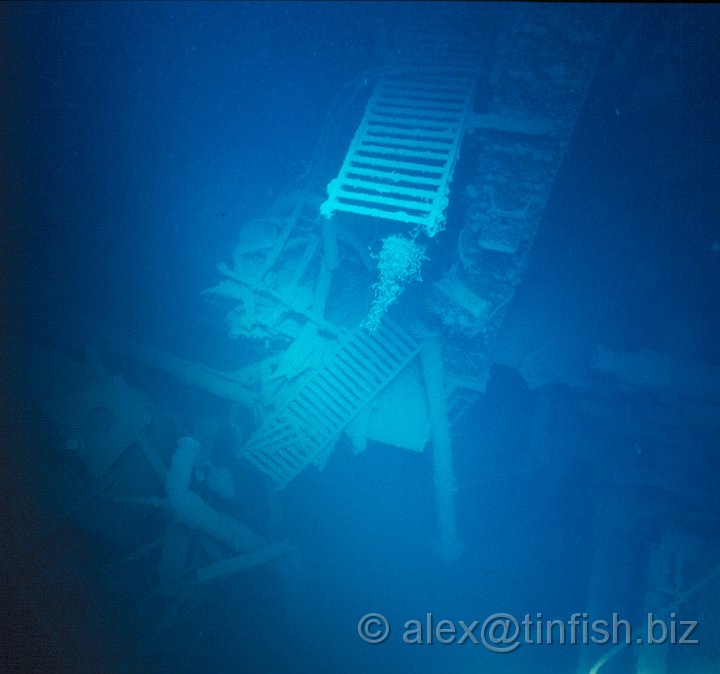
(305, 431)
(401, 159)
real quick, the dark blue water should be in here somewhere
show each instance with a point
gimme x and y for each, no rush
(137, 138)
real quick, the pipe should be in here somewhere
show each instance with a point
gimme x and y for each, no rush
(448, 546)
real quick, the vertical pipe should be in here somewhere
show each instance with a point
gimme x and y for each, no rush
(331, 256)
(322, 289)
(448, 545)
(330, 262)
